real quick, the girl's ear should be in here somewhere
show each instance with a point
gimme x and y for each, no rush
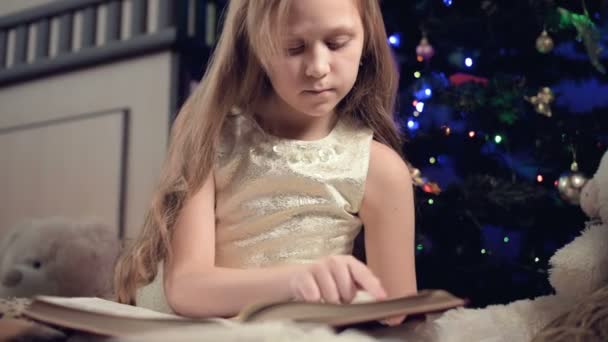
(266, 84)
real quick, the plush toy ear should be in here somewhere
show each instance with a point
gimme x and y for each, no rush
(601, 177)
(589, 199)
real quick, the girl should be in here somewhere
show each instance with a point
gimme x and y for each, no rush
(281, 155)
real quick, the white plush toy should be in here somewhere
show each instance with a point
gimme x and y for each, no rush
(58, 256)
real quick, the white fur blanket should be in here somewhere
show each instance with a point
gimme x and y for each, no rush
(281, 331)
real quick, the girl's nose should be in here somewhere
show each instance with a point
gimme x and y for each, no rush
(318, 63)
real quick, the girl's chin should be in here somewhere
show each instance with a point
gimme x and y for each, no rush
(318, 111)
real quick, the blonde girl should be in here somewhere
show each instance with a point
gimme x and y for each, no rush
(277, 160)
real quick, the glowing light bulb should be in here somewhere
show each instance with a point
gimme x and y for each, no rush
(420, 106)
(395, 40)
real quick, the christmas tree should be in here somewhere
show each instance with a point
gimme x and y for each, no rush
(505, 108)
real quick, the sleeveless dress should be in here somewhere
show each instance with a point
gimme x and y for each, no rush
(282, 201)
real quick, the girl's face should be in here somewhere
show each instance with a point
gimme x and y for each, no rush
(322, 45)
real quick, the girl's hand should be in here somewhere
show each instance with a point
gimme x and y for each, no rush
(334, 279)
(392, 321)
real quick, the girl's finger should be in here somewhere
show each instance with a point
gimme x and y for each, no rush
(392, 321)
(344, 282)
(366, 279)
(327, 284)
(307, 288)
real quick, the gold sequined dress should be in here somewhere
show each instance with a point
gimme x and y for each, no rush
(281, 201)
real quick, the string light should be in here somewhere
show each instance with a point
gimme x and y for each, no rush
(483, 251)
(471, 134)
(431, 201)
(430, 188)
(419, 58)
(428, 92)
(420, 247)
(497, 139)
(412, 124)
(536, 259)
(539, 178)
(468, 62)
(417, 74)
(447, 2)
(395, 40)
(432, 160)
(506, 239)
(420, 106)
(416, 113)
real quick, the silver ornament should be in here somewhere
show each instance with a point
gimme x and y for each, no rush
(570, 185)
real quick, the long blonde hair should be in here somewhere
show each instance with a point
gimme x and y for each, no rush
(235, 77)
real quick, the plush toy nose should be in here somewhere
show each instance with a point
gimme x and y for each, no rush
(12, 278)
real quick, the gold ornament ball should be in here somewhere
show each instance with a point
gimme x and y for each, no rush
(417, 177)
(416, 173)
(570, 186)
(574, 166)
(544, 43)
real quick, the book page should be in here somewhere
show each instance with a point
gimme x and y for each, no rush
(107, 307)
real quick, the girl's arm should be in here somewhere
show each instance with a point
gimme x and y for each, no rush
(387, 213)
(194, 286)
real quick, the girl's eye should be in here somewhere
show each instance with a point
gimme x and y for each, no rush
(336, 45)
(332, 45)
(295, 50)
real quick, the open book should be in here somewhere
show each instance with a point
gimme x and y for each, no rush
(104, 317)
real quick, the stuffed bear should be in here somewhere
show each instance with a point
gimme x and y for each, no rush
(58, 256)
